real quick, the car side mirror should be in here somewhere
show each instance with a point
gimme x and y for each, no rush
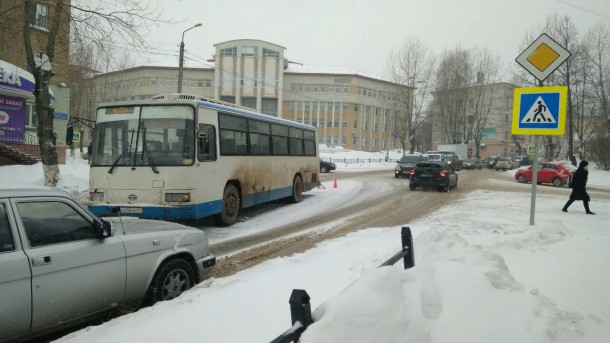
(103, 229)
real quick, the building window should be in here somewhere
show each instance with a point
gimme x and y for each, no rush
(270, 53)
(168, 83)
(300, 87)
(307, 88)
(346, 89)
(39, 15)
(192, 83)
(199, 83)
(208, 83)
(322, 88)
(248, 51)
(315, 88)
(229, 51)
(153, 82)
(292, 87)
(31, 119)
(161, 82)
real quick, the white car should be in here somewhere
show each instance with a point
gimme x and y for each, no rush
(60, 264)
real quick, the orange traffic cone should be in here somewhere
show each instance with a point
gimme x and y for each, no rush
(335, 184)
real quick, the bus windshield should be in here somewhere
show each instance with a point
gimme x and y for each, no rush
(144, 136)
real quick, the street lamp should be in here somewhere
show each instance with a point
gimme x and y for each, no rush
(181, 62)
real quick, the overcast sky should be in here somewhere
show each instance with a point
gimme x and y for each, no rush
(359, 34)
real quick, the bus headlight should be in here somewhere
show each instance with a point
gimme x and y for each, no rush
(96, 196)
(177, 197)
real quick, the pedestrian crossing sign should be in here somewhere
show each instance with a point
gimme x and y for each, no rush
(539, 111)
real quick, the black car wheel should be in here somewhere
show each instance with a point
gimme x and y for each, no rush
(230, 206)
(173, 278)
(412, 187)
(557, 182)
(297, 190)
(521, 178)
(323, 169)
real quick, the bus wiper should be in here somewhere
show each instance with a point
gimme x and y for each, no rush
(150, 160)
(116, 162)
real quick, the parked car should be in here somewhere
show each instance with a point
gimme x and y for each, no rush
(556, 173)
(405, 164)
(61, 265)
(454, 160)
(490, 162)
(326, 167)
(504, 163)
(473, 163)
(521, 161)
(433, 174)
(435, 157)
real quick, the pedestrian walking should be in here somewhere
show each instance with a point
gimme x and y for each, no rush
(579, 187)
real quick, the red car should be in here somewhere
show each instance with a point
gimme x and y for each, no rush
(556, 173)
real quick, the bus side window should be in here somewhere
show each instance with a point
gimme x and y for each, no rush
(206, 140)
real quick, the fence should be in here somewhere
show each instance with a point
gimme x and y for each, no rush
(300, 308)
(358, 160)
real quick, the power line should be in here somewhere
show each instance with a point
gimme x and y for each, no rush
(582, 9)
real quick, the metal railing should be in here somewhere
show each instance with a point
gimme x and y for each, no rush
(300, 307)
(358, 160)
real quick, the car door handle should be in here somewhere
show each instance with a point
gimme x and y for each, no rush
(41, 261)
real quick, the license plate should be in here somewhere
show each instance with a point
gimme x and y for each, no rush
(426, 175)
(132, 210)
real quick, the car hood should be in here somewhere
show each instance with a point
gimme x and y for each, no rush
(131, 225)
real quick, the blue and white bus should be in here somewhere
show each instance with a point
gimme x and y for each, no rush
(178, 157)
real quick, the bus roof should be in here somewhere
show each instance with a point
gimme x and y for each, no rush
(208, 103)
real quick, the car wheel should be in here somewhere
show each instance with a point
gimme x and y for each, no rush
(297, 190)
(230, 206)
(173, 278)
(412, 187)
(521, 178)
(557, 182)
(396, 176)
(323, 170)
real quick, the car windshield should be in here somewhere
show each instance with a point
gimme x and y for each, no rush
(435, 157)
(503, 159)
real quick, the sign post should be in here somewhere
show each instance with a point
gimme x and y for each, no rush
(542, 110)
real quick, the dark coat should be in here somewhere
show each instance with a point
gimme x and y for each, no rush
(579, 185)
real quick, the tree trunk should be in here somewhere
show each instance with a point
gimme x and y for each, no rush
(47, 137)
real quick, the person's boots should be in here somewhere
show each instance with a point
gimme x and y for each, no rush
(565, 208)
(588, 211)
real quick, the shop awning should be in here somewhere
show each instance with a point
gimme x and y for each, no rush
(17, 82)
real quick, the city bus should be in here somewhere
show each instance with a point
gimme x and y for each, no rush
(182, 157)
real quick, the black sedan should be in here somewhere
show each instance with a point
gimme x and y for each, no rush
(326, 167)
(434, 175)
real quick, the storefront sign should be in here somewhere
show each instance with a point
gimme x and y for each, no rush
(12, 119)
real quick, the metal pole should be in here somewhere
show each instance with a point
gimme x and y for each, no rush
(181, 64)
(534, 175)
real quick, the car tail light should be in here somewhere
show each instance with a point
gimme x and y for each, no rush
(177, 197)
(443, 173)
(412, 172)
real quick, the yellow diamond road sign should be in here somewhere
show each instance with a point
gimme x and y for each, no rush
(542, 57)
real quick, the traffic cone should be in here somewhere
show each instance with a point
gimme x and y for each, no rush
(335, 184)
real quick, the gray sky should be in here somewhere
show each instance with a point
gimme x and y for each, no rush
(359, 34)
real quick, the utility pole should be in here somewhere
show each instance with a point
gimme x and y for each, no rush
(181, 62)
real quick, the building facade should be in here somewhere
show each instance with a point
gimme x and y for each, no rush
(349, 109)
(16, 80)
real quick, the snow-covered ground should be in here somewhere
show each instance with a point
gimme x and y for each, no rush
(482, 274)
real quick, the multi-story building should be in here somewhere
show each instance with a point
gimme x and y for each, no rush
(16, 83)
(349, 108)
(487, 109)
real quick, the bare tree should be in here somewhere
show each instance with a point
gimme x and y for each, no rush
(598, 53)
(411, 67)
(90, 21)
(453, 80)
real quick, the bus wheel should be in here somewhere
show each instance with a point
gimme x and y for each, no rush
(297, 190)
(230, 206)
